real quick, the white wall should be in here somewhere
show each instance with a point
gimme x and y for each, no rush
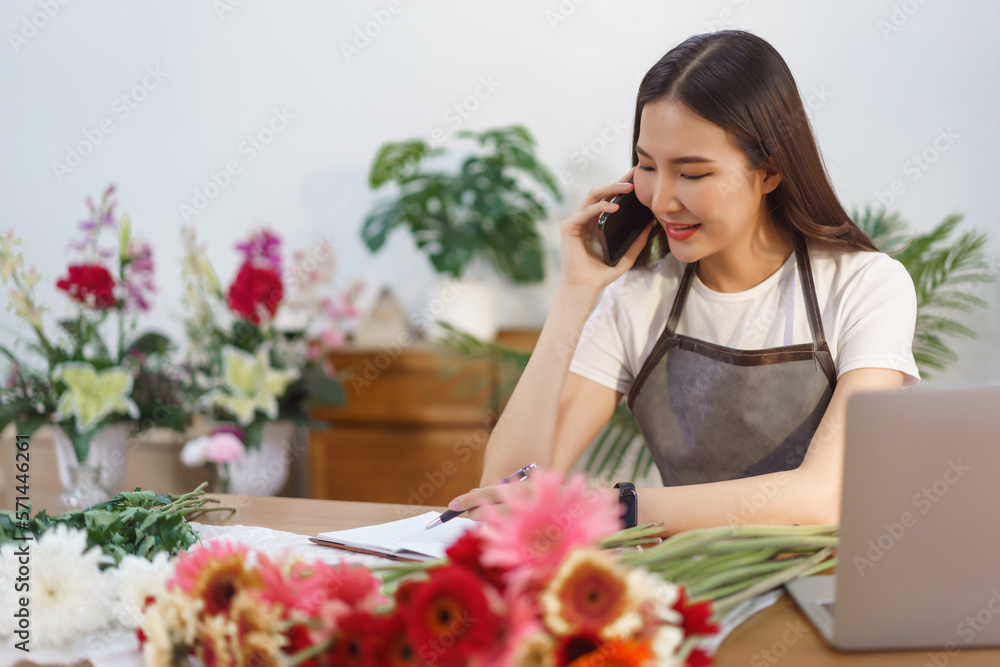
(565, 69)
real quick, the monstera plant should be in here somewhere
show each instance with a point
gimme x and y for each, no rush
(484, 209)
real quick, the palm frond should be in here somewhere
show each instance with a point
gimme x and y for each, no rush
(946, 271)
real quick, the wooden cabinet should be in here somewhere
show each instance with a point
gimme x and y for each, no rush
(409, 433)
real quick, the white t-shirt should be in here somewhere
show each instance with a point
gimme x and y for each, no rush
(866, 300)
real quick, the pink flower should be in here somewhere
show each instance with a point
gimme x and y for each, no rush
(262, 249)
(320, 589)
(542, 521)
(224, 448)
(139, 276)
(332, 338)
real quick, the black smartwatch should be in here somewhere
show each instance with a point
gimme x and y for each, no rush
(629, 501)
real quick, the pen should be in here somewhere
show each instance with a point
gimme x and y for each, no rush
(516, 477)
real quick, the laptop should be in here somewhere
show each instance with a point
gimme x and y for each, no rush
(919, 558)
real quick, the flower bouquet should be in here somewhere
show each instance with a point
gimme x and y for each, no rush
(82, 378)
(250, 358)
(528, 587)
(551, 580)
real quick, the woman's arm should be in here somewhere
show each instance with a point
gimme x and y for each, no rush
(809, 494)
(552, 414)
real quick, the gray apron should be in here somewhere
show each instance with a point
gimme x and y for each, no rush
(711, 413)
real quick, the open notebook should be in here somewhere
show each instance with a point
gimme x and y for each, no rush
(405, 539)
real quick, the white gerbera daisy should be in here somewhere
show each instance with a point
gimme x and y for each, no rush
(137, 578)
(659, 596)
(666, 642)
(70, 596)
(9, 594)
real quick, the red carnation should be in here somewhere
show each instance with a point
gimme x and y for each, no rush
(454, 616)
(255, 286)
(90, 284)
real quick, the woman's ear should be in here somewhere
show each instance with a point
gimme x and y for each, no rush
(772, 177)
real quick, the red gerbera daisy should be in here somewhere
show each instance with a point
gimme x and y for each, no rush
(454, 616)
(388, 644)
(352, 641)
(468, 552)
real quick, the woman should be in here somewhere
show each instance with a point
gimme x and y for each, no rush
(737, 351)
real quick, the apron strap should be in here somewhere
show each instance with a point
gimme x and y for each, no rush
(822, 350)
(682, 291)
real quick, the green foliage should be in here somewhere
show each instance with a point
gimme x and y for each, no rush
(946, 273)
(480, 211)
(136, 522)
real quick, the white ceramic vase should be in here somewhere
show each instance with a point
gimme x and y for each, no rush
(464, 304)
(264, 471)
(107, 454)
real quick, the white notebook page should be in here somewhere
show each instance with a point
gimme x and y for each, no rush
(405, 535)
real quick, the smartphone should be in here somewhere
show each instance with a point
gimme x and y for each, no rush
(618, 230)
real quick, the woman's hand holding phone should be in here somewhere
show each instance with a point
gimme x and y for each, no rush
(582, 266)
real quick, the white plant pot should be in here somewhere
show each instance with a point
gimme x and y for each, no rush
(264, 471)
(107, 450)
(464, 304)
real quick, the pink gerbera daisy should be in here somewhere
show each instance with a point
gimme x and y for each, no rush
(544, 518)
(311, 587)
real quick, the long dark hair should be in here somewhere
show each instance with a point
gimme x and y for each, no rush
(738, 81)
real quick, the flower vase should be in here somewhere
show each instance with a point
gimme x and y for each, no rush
(220, 477)
(84, 488)
(264, 471)
(106, 455)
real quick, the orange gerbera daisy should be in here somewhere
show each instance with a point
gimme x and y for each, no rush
(591, 594)
(615, 654)
(214, 573)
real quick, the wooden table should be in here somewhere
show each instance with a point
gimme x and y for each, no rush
(778, 635)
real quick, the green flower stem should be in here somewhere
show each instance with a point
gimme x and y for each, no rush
(650, 529)
(730, 589)
(674, 547)
(723, 605)
(309, 652)
(685, 649)
(721, 563)
(640, 542)
(825, 565)
(46, 345)
(704, 584)
(818, 541)
(679, 571)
